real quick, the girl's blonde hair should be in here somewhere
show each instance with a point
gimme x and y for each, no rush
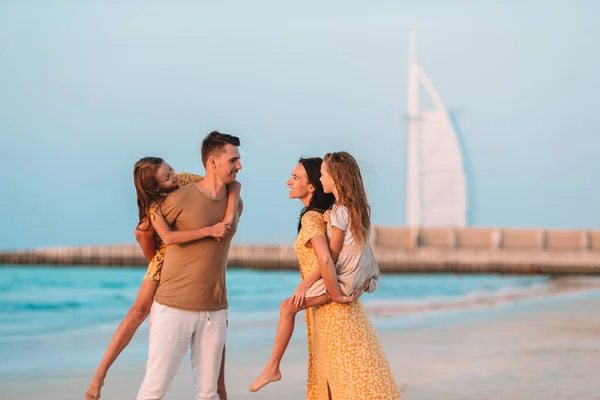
(346, 175)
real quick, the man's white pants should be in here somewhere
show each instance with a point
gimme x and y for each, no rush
(172, 331)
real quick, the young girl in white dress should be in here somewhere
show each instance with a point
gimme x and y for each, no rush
(350, 271)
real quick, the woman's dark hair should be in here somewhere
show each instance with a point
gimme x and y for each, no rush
(320, 200)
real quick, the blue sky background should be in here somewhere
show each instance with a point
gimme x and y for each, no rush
(87, 88)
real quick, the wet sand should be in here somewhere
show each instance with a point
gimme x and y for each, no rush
(534, 348)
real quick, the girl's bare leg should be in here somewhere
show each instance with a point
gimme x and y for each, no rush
(132, 321)
(285, 329)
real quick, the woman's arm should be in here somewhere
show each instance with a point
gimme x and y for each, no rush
(233, 201)
(132, 321)
(170, 237)
(145, 238)
(335, 247)
(311, 278)
(327, 269)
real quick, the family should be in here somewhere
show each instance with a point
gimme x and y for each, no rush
(186, 224)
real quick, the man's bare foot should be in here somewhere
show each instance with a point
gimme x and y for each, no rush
(265, 378)
(93, 392)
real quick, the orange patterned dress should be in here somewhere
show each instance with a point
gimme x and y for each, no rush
(345, 358)
(155, 265)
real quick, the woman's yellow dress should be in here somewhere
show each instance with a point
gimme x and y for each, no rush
(345, 358)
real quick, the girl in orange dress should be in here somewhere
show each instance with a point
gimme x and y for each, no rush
(154, 179)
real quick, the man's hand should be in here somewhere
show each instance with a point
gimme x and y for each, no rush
(297, 298)
(220, 230)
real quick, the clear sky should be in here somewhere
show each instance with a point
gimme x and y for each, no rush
(87, 88)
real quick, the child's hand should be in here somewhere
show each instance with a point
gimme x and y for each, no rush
(327, 215)
(220, 230)
(348, 299)
(297, 298)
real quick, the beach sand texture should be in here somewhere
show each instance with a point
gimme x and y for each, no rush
(532, 349)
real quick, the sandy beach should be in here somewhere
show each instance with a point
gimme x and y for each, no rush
(534, 348)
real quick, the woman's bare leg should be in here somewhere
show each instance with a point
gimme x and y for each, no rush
(285, 329)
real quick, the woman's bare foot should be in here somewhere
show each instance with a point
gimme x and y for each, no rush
(93, 392)
(266, 377)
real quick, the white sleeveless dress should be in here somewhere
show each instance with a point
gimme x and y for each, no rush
(356, 266)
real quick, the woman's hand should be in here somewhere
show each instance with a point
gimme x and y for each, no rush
(220, 230)
(327, 216)
(297, 298)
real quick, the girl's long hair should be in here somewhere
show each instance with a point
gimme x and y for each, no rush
(320, 200)
(146, 186)
(346, 175)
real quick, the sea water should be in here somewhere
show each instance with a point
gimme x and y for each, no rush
(58, 318)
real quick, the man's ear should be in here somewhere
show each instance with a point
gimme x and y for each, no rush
(311, 189)
(212, 162)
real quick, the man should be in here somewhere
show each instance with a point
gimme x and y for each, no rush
(190, 305)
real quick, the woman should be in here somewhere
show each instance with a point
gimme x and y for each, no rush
(345, 358)
(355, 267)
(154, 179)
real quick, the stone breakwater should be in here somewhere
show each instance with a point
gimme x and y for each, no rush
(400, 250)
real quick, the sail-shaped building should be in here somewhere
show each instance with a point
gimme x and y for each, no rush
(436, 186)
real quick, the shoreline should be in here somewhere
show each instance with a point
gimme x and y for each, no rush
(540, 347)
(556, 286)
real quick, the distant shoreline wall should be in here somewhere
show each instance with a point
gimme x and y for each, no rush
(398, 250)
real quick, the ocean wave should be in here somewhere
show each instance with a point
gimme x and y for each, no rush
(113, 285)
(11, 307)
(20, 280)
(482, 298)
(17, 306)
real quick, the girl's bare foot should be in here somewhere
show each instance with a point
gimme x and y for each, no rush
(93, 392)
(266, 377)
